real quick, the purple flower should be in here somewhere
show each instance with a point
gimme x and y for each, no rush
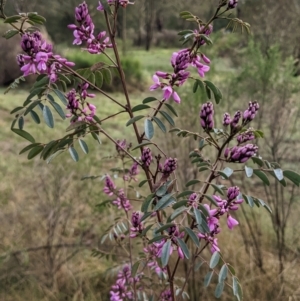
(110, 186)
(206, 116)
(192, 200)
(231, 222)
(226, 119)
(212, 221)
(168, 92)
(122, 202)
(137, 226)
(166, 295)
(146, 157)
(245, 136)
(250, 113)
(241, 154)
(235, 120)
(232, 193)
(232, 4)
(169, 166)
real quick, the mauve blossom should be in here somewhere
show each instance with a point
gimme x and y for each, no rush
(231, 222)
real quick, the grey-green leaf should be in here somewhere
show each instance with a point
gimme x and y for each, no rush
(83, 146)
(149, 129)
(219, 289)
(165, 254)
(215, 258)
(160, 124)
(74, 154)
(249, 171)
(223, 273)
(183, 247)
(262, 176)
(207, 278)
(193, 236)
(48, 117)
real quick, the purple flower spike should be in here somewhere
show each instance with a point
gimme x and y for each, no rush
(232, 4)
(206, 116)
(235, 120)
(137, 226)
(169, 166)
(226, 119)
(232, 193)
(250, 113)
(146, 157)
(110, 186)
(122, 202)
(242, 154)
(245, 136)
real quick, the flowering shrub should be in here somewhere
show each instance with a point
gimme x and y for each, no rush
(170, 226)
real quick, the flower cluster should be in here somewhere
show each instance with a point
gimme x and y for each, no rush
(123, 3)
(203, 30)
(146, 157)
(250, 113)
(80, 109)
(122, 289)
(39, 57)
(240, 154)
(169, 166)
(245, 136)
(166, 295)
(110, 186)
(180, 61)
(137, 225)
(226, 119)
(207, 116)
(121, 201)
(224, 207)
(133, 171)
(84, 31)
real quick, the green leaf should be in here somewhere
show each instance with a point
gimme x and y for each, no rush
(177, 212)
(35, 117)
(149, 99)
(75, 125)
(163, 227)
(165, 253)
(139, 108)
(160, 124)
(167, 117)
(170, 107)
(195, 87)
(227, 171)
(58, 109)
(142, 183)
(279, 174)
(134, 119)
(248, 200)
(48, 117)
(157, 238)
(28, 147)
(292, 176)
(258, 161)
(10, 33)
(207, 278)
(235, 285)
(164, 202)
(36, 18)
(193, 236)
(180, 204)
(135, 268)
(107, 77)
(48, 148)
(83, 146)
(161, 191)
(74, 154)
(249, 171)
(215, 258)
(183, 247)
(198, 217)
(223, 273)
(12, 19)
(149, 129)
(218, 188)
(146, 215)
(217, 93)
(35, 151)
(21, 122)
(24, 134)
(98, 79)
(61, 96)
(262, 176)
(16, 110)
(219, 289)
(192, 182)
(211, 199)
(149, 199)
(54, 155)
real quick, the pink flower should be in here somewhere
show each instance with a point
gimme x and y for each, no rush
(41, 58)
(168, 92)
(156, 84)
(231, 222)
